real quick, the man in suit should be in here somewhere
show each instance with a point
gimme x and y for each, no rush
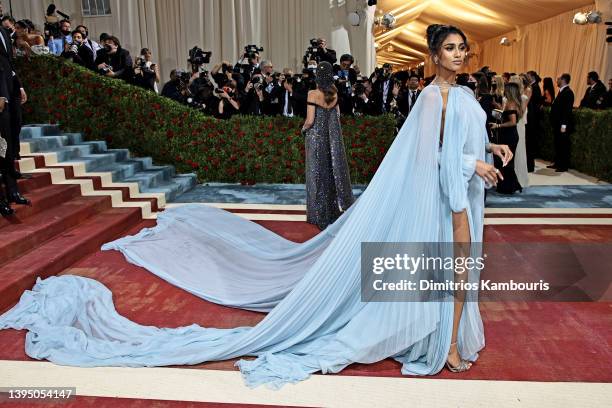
(288, 98)
(12, 95)
(533, 128)
(595, 95)
(383, 83)
(562, 121)
(409, 95)
(345, 77)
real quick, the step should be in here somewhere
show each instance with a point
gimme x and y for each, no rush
(152, 177)
(64, 250)
(38, 130)
(97, 158)
(179, 185)
(36, 181)
(18, 239)
(42, 199)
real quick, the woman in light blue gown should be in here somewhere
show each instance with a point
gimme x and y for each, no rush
(428, 188)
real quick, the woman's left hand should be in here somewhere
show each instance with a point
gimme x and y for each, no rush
(503, 152)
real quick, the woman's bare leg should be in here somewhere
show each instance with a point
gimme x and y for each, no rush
(461, 238)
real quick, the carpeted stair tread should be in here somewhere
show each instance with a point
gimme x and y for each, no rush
(25, 236)
(62, 251)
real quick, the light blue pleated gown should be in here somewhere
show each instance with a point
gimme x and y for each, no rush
(316, 320)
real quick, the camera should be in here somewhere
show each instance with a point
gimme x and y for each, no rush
(313, 52)
(251, 51)
(183, 76)
(198, 57)
(383, 72)
(144, 65)
(315, 42)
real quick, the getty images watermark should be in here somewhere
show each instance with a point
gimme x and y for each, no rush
(497, 272)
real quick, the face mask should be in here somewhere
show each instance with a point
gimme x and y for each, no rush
(312, 67)
(108, 48)
(65, 32)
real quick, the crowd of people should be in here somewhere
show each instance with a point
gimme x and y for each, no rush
(253, 86)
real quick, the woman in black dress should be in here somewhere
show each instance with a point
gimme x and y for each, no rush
(507, 134)
(328, 183)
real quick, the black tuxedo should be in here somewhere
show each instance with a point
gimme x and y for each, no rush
(594, 97)
(404, 103)
(288, 99)
(383, 105)
(274, 95)
(533, 127)
(10, 117)
(561, 113)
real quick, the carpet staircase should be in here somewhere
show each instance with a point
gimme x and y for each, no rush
(83, 194)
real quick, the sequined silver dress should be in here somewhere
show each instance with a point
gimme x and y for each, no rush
(328, 182)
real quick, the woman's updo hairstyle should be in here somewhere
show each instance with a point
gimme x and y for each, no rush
(437, 33)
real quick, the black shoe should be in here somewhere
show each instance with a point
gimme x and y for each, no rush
(18, 199)
(552, 166)
(5, 209)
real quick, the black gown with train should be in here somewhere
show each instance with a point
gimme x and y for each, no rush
(508, 136)
(328, 182)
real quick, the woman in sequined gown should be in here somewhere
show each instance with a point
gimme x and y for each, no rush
(328, 183)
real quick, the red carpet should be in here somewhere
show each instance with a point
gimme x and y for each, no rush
(536, 341)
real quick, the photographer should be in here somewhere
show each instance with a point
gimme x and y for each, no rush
(319, 52)
(146, 73)
(114, 61)
(200, 93)
(222, 73)
(77, 52)
(248, 61)
(383, 85)
(273, 92)
(288, 97)
(89, 43)
(302, 84)
(228, 105)
(172, 88)
(56, 44)
(345, 77)
(363, 104)
(252, 100)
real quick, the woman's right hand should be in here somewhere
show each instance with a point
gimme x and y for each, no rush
(488, 172)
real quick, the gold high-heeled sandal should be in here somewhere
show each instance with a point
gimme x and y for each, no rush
(463, 365)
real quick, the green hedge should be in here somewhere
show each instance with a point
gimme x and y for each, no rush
(591, 142)
(244, 149)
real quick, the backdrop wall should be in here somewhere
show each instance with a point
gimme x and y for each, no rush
(170, 27)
